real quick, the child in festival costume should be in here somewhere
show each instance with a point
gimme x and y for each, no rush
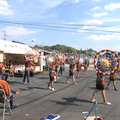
(52, 74)
(71, 73)
(85, 62)
(100, 83)
(112, 78)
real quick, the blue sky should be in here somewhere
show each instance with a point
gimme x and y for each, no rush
(82, 24)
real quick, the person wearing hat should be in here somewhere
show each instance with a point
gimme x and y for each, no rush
(100, 85)
(86, 67)
(52, 74)
(100, 82)
(27, 71)
(86, 62)
(71, 73)
(112, 77)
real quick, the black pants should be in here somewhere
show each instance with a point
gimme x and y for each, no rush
(60, 71)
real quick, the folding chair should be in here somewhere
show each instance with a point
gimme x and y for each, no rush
(11, 74)
(5, 101)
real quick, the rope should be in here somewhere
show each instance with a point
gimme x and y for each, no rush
(90, 111)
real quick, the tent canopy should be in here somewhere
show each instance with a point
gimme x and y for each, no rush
(13, 47)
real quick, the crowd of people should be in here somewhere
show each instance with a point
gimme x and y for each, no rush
(4, 83)
(54, 72)
(59, 70)
(100, 80)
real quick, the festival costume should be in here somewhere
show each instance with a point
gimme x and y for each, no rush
(77, 66)
(71, 70)
(112, 77)
(27, 71)
(105, 63)
(73, 58)
(100, 82)
(52, 75)
(86, 59)
(61, 59)
(30, 55)
(51, 62)
(56, 68)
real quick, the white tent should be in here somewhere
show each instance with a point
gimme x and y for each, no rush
(14, 51)
(13, 47)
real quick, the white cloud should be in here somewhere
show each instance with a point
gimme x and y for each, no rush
(111, 20)
(50, 3)
(113, 48)
(116, 48)
(94, 21)
(75, 1)
(96, 0)
(112, 6)
(21, 1)
(104, 37)
(95, 8)
(100, 14)
(4, 8)
(98, 48)
(15, 30)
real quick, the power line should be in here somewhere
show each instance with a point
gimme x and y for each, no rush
(58, 27)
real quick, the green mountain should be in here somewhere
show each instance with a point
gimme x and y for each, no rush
(67, 49)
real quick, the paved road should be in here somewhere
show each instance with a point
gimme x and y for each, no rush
(69, 101)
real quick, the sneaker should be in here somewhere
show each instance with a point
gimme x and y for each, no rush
(24, 82)
(49, 87)
(93, 100)
(67, 82)
(107, 103)
(116, 89)
(13, 106)
(77, 77)
(57, 77)
(75, 83)
(30, 83)
(52, 89)
(17, 92)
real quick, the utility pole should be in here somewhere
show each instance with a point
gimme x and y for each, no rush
(4, 35)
